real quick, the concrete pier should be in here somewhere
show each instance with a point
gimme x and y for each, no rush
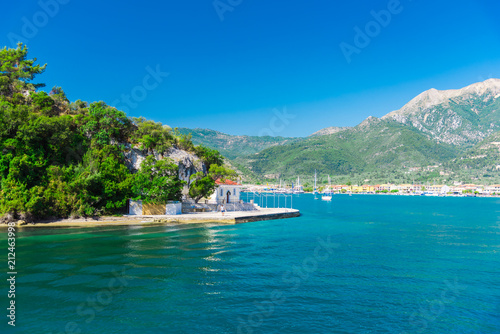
(235, 217)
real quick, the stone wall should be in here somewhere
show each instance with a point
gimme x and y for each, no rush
(153, 209)
(135, 208)
(174, 209)
(138, 208)
(191, 207)
(210, 207)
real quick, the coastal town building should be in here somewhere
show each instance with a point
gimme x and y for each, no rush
(457, 189)
(356, 189)
(435, 188)
(393, 187)
(495, 188)
(405, 188)
(385, 187)
(338, 188)
(368, 188)
(227, 191)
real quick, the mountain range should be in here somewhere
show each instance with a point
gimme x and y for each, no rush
(439, 136)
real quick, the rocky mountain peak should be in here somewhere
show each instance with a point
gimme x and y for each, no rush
(368, 121)
(329, 131)
(457, 116)
(434, 97)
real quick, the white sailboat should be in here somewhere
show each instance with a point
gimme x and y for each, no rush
(328, 195)
(280, 190)
(314, 192)
(298, 189)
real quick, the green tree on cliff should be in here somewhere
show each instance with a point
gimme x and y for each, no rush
(203, 185)
(17, 72)
(157, 181)
(60, 159)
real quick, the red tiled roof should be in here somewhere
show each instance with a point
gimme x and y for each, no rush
(227, 182)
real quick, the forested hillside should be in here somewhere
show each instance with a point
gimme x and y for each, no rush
(374, 147)
(439, 136)
(61, 158)
(234, 146)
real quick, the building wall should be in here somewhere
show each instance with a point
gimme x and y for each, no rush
(138, 208)
(153, 209)
(222, 190)
(135, 208)
(174, 209)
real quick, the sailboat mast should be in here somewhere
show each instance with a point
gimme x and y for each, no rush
(315, 181)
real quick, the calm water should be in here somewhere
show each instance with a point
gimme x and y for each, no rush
(361, 264)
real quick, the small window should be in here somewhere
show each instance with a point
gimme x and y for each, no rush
(221, 192)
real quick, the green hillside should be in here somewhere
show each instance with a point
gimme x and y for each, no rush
(448, 129)
(375, 146)
(61, 159)
(234, 146)
(479, 162)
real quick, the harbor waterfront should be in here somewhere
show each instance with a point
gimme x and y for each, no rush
(461, 190)
(357, 264)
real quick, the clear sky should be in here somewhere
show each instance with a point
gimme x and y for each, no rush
(257, 67)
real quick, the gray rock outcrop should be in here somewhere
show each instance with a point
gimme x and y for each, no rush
(188, 163)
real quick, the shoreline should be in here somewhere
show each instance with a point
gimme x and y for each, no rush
(391, 194)
(230, 218)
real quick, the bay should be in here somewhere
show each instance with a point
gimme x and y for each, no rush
(358, 264)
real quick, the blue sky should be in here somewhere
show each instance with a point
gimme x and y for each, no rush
(256, 67)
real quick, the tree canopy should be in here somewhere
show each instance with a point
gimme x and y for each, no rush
(203, 185)
(16, 71)
(61, 159)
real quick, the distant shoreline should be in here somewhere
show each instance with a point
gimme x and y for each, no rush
(414, 195)
(382, 193)
(417, 195)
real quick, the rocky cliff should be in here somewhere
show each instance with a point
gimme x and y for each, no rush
(188, 163)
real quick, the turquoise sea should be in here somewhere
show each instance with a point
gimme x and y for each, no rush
(360, 264)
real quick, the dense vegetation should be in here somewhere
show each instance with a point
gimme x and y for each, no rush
(61, 159)
(374, 146)
(204, 185)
